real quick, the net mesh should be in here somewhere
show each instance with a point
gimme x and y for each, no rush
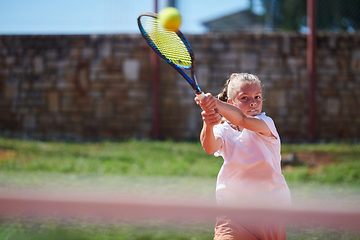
(142, 208)
(167, 43)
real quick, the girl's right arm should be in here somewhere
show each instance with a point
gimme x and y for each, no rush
(211, 117)
(209, 141)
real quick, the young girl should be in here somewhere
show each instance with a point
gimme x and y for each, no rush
(250, 146)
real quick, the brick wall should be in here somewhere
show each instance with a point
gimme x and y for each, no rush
(100, 87)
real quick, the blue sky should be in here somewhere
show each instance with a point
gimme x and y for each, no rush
(104, 16)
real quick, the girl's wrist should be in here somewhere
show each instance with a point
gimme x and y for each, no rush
(208, 128)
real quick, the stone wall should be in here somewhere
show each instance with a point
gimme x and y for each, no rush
(100, 86)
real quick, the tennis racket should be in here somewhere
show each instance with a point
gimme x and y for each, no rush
(171, 46)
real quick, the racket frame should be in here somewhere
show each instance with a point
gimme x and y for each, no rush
(192, 81)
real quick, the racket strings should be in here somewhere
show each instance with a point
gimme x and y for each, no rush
(168, 43)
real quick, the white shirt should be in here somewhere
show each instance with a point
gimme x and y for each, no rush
(251, 172)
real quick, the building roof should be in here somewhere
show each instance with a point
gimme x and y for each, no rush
(239, 21)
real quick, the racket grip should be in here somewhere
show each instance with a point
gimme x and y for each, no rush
(201, 96)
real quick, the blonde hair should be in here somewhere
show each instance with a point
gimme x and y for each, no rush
(234, 80)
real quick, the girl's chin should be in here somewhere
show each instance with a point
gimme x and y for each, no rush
(252, 114)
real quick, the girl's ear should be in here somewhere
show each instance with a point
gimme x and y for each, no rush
(229, 101)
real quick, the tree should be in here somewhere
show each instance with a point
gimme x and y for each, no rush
(332, 15)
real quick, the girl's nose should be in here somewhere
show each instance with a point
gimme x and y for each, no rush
(253, 103)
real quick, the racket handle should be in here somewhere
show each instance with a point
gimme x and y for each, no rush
(201, 96)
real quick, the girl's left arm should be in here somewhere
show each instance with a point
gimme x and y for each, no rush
(236, 116)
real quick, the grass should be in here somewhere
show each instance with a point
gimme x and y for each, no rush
(153, 166)
(161, 158)
(70, 230)
(131, 158)
(77, 230)
(345, 168)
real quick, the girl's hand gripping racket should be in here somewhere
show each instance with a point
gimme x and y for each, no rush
(171, 46)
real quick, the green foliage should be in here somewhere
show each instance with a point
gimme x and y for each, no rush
(332, 15)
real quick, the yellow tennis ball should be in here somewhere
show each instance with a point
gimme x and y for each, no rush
(170, 18)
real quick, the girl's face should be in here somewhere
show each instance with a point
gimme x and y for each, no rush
(248, 97)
